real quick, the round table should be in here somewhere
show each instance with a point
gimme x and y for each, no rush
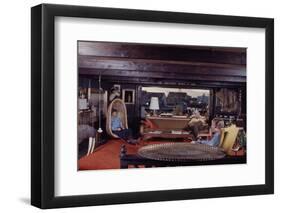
(181, 152)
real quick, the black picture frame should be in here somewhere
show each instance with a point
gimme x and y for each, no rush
(43, 102)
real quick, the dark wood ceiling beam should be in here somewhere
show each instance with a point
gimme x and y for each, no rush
(225, 55)
(155, 61)
(159, 75)
(167, 82)
(161, 66)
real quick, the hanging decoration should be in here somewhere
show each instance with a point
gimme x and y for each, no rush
(89, 91)
(100, 129)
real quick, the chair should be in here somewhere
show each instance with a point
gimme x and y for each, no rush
(228, 138)
(120, 106)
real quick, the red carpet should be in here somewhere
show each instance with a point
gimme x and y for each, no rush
(107, 156)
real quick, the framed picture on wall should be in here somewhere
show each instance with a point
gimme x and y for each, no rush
(128, 96)
(197, 73)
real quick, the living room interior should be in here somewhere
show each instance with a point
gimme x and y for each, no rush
(163, 94)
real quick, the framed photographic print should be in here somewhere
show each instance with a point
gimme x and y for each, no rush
(128, 96)
(188, 124)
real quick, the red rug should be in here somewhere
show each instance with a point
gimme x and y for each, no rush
(107, 156)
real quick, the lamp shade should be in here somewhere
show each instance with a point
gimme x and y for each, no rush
(154, 103)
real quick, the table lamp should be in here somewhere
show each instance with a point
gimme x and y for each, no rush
(154, 104)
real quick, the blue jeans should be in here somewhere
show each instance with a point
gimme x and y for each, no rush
(124, 134)
(215, 141)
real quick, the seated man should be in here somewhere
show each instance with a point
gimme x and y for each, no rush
(118, 129)
(196, 123)
(216, 129)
